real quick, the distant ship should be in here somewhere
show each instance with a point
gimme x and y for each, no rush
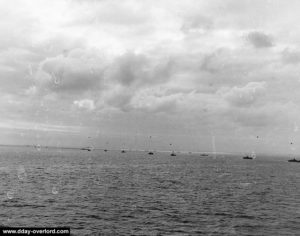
(204, 155)
(86, 149)
(105, 150)
(293, 160)
(150, 141)
(123, 151)
(173, 154)
(248, 157)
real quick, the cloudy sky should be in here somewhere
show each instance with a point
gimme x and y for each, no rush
(187, 72)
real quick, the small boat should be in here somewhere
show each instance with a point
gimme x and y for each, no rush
(293, 160)
(105, 150)
(86, 149)
(248, 157)
(173, 154)
(123, 151)
(150, 145)
(204, 155)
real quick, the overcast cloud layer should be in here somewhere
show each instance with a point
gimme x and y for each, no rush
(113, 73)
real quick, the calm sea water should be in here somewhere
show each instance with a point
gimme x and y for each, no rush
(98, 193)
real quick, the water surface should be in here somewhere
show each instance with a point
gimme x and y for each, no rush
(132, 193)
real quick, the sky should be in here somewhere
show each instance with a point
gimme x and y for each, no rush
(193, 75)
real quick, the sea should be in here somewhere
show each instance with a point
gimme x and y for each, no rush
(133, 193)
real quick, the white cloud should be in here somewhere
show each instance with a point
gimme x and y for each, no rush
(150, 101)
(86, 104)
(31, 91)
(246, 95)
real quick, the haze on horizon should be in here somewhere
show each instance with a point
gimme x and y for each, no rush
(113, 73)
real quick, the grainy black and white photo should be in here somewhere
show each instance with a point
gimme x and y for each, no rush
(150, 117)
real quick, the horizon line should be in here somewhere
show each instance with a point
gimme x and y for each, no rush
(140, 150)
